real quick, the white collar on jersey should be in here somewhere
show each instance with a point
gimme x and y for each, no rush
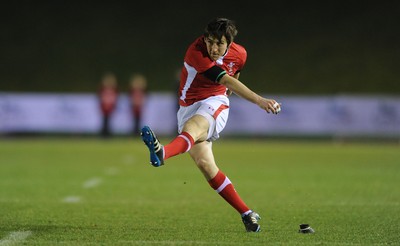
(220, 60)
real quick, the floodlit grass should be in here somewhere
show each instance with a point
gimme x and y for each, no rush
(92, 191)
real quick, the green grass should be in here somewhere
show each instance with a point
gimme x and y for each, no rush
(349, 193)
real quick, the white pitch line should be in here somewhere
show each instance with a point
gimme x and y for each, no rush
(14, 238)
(111, 171)
(179, 242)
(71, 199)
(91, 183)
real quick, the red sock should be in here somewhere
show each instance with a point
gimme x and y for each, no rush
(181, 144)
(221, 184)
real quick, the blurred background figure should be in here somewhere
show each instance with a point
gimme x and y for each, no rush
(108, 95)
(137, 93)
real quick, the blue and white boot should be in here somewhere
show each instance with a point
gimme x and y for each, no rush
(155, 148)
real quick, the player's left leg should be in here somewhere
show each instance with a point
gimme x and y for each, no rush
(203, 156)
(195, 129)
(196, 123)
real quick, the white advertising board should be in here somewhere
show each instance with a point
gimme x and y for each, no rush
(346, 115)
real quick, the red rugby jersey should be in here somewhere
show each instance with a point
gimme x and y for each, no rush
(194, 86)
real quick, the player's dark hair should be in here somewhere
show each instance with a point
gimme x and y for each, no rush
(220, 27)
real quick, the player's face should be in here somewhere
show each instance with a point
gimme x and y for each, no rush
(215, 47)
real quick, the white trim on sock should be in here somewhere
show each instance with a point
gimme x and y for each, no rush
(223, 185)
(247, 212)
(187, 140)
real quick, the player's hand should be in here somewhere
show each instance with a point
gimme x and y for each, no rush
(269, 105)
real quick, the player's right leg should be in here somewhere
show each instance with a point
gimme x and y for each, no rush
(203, 156)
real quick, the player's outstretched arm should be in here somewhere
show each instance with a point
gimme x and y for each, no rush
(240, 89)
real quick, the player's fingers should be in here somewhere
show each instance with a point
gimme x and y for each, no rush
(270, 108)
(267, 108)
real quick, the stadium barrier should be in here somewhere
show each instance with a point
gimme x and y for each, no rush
(337, 115)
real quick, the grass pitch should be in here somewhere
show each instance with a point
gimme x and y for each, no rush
(97, 192)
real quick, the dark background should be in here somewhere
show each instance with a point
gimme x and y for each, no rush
(293, 48)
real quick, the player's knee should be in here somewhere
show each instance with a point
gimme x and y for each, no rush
(201, 162)
(208, 168)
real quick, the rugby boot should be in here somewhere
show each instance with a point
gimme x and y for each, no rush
(250, 222)
(155, 148)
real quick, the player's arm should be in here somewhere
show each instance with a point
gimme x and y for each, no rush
(219, 75)
(237, 87)
(236, 76)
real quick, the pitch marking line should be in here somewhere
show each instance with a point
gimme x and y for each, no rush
(91, 183)
(71, 199)
(112, 171)
(15, 237)
(181, 243)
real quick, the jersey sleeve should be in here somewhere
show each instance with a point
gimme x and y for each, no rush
(243, 57)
